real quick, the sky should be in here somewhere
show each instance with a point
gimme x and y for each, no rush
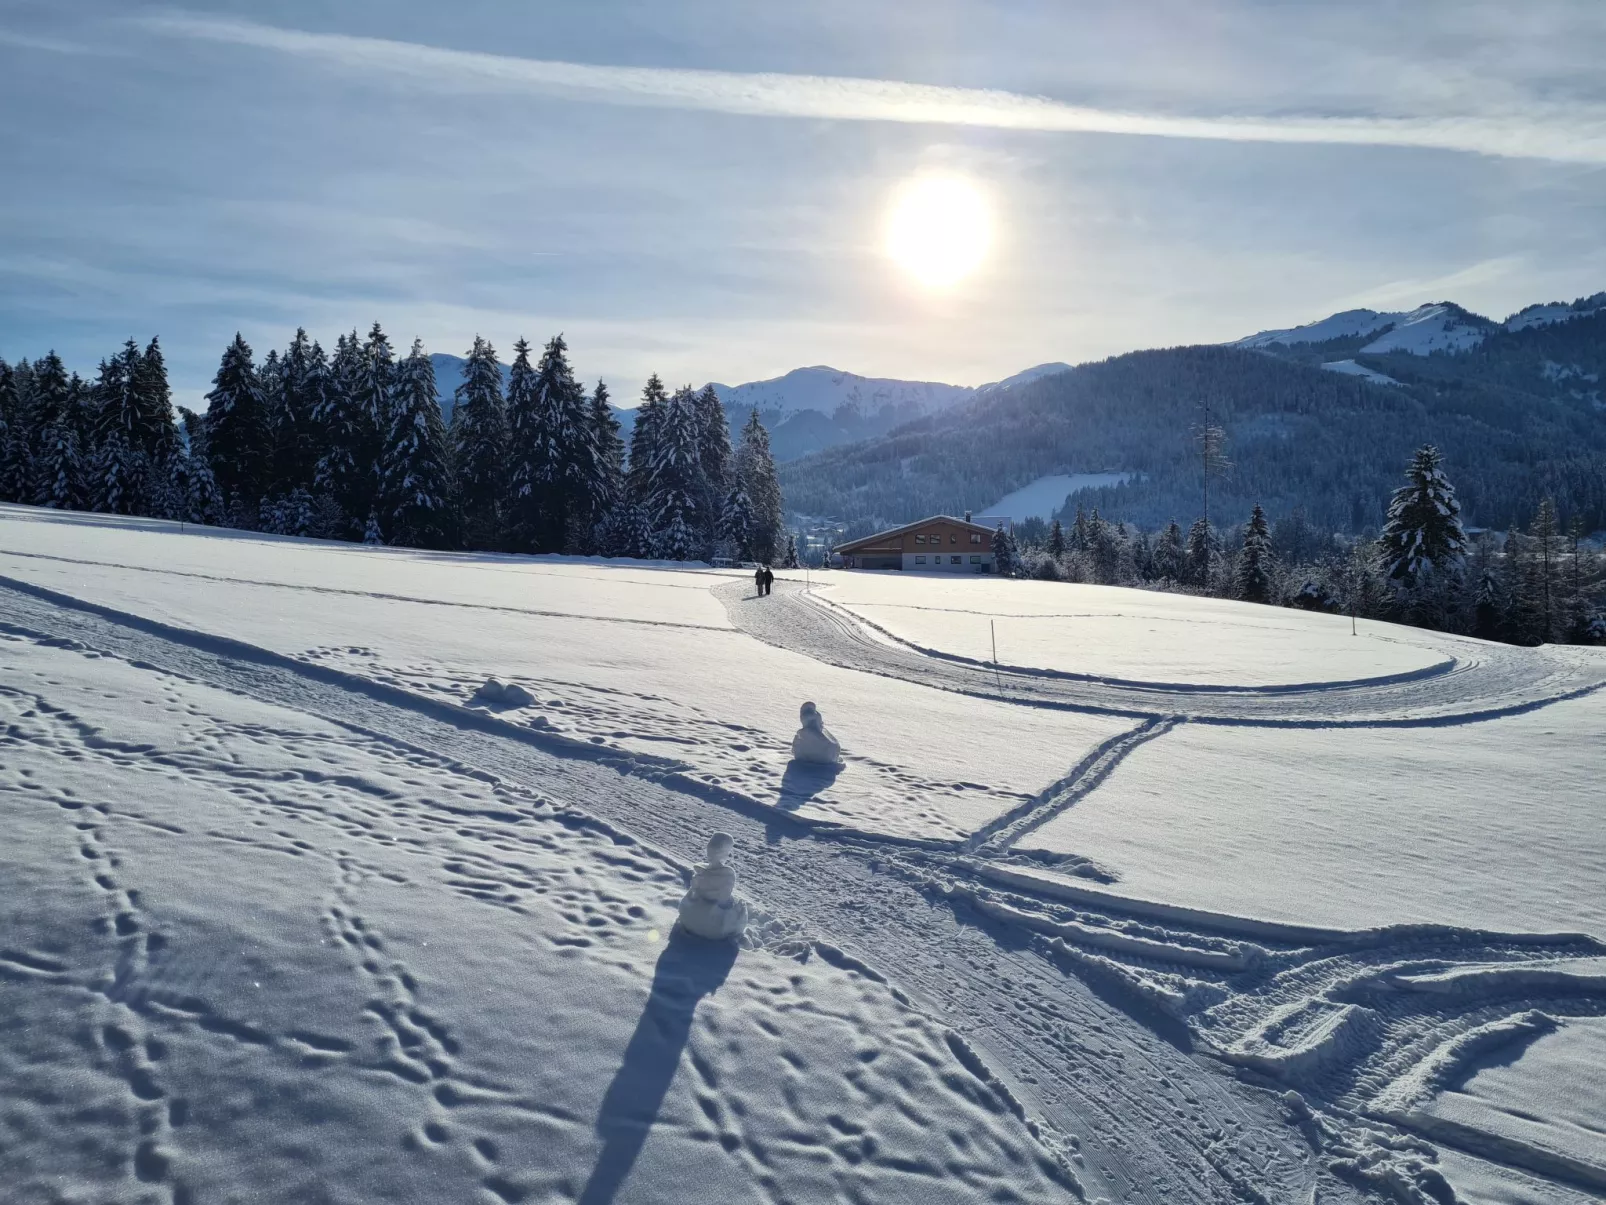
(700, 188)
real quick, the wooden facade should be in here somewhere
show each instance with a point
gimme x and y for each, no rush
(940, 544)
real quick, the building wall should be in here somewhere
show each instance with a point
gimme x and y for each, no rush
(929, 548)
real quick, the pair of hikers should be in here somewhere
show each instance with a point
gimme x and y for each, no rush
(763, 578)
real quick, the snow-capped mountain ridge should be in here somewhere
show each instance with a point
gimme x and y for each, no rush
(1434, 326)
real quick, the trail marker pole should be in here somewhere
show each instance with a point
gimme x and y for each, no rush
(992, 625)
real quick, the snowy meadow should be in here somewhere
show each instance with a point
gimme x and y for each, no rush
(1184, 900)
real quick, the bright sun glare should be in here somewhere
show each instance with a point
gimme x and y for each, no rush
(938, 229)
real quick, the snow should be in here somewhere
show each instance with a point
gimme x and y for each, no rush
(1361, 827)
(291, 914)
(1430, 328)
(1351, 368)
(1545, 1106)
(625, 657)
(1132, 635)
(251, 955)
(1026, 377)
(1344, 325)
(1046, 495)
(1556, 311)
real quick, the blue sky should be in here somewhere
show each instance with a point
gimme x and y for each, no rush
(697, 188)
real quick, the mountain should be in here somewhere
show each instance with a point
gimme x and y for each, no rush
(809, 408)
(1320, 418)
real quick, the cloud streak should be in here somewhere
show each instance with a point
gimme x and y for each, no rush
(1560, 133)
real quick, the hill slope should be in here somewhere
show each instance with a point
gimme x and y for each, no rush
(1518, 413)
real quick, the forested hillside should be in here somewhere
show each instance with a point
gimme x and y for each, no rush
(1518, 418)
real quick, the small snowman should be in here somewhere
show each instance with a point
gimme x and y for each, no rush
(813, 743)
(710, 908)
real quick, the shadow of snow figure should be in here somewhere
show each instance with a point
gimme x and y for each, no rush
(688, 969)
(802, 781)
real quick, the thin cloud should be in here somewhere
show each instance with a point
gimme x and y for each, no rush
(1557, 133)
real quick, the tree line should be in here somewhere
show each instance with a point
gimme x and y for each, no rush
(1541, 585)
(353, 446)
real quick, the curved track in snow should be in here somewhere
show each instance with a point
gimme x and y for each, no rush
(1495, 680)
(1175, 1056)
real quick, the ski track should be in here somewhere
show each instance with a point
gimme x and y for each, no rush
(1498, 681)
(1172, 1057)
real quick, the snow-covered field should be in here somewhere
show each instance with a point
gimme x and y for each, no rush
(1041, 498)
(1188, 901)
(1130, 635)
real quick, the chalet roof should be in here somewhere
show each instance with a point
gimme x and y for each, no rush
(866, 541)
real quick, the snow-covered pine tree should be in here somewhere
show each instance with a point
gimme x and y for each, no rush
(302, 377)
(237, 441)
(1255, 559)
(480, 444)
(340, 473)
(714, 452)
(644, 443)
(1199, 555)
(370, 532)
(789, 558)
(1170, 556)
(1056, 541)
(203, 502)
(372, 389)
(416, 461)
(120, 480)
(8, 427)
(58, 469)
(158, 429)
(1005, 561)
(608, 492)
(1519, 584)
(524, 432)
(755, 472)
(1545, 531)
(675, 505)
(736, 522)
(1422, 535)
(50, 402)
(1080, 541)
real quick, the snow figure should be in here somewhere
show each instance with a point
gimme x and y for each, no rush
(813, 743)
(709, 908)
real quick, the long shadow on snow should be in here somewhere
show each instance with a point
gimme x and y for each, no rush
(688, 969)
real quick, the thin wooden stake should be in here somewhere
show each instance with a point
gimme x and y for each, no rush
(993, 625)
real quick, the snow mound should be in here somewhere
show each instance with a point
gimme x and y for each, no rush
(499, 694)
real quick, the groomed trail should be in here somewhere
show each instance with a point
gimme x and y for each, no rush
(1494, 680)
(1173, 1056)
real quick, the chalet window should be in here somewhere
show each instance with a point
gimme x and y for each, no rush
(975, 537)
(956, 560)
(920, 539)
(920, 560)
(953, 538)
(975, 560)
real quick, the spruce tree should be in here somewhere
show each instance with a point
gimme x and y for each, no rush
(1170, 555)
(644, 443)
(714, 452)
(236, 428)
(678, 489)
(1546, 559)
(340, 473)
(159, 431)
(736, 523)
(9, 422)
(1079, 533)
(416, 467)
(1005, 562)
(755, 472)
(1422, 535)
(370, 532)
(1255, 559)
(789, 559)
(58, 468)
(1196, 562)
(303, 374)
(524, 426)
(1056, 541)
(119, 482)
(609, 449)
(372, 386)
(480, 443)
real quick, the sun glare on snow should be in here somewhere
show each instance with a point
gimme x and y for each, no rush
(938, 229)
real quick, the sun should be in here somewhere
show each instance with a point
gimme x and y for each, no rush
(938, 229)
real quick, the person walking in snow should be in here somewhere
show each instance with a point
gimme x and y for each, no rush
(758, 581)
(769, 579)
